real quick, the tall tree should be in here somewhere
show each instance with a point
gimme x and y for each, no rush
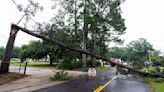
(24, 53)
(16, 51)
(99, 20)
(139, 51)
(118, 52)
(34, 50)
(106, 22)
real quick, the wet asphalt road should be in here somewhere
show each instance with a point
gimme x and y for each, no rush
(127, 84)
(85, 84)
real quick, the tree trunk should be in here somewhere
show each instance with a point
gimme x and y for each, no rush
(4, 68)
(84, 60)
(51, 61)
(70, 47)
(94, 49)
(84, 63)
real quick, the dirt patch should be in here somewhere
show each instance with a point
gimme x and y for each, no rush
(5, 78)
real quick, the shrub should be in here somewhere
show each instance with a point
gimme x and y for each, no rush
(98, 64)
(69, 64)
(76, 64)
(158, 70)
(89, 62)
(61, 75)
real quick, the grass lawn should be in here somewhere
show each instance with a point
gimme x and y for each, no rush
(5, 78)
(33, 64)
(102, 69)
(157, 84)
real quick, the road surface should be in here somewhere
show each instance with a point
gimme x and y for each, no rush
(85, 84)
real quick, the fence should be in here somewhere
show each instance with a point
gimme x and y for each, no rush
(18, 67)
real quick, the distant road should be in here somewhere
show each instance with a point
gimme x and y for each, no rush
(120, 84)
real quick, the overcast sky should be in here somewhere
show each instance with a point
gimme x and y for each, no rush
(144, 19)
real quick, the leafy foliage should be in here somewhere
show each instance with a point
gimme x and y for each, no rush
(2, 49)
(84, 24)
(139, 51)
(118, 52)
(159, 70)
(34, 50)
(16, 51)
(69, 64)
(61, 75)
(155, 83)
(29, 10)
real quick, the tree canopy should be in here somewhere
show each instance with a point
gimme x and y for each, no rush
(86, 24)
(2, 49)
(33, 50)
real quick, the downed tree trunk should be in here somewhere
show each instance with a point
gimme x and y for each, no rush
(70, 47)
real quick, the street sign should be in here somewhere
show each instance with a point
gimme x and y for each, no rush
(92, 72)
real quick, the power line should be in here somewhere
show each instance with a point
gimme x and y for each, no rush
(14, 2)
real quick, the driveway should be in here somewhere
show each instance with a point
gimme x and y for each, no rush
(38, 78)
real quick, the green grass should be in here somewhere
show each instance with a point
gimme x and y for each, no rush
(102, 69)
(157, 84)
(33, 64)
(5, 78)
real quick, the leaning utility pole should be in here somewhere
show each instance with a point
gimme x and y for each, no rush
(14, 29)
(70, 47)
(4, 68)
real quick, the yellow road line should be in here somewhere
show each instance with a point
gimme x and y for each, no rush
(102, 87)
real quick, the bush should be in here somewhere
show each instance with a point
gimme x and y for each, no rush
(60, 76)
(69, 64)
(102, 69)
(98, 64)
(159, 70)
(155, 83)
(89, 62)
(63, 65)
(138, 64)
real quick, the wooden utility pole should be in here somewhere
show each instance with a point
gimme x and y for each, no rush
(4, 68)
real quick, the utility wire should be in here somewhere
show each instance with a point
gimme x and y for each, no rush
(14, 2)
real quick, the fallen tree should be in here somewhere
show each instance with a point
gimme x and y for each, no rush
(70, 47)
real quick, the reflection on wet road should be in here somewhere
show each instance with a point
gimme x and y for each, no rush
(85, 84)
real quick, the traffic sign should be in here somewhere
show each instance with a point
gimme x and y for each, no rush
(92, 72)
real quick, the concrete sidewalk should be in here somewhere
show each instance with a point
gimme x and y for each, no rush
(38, 78)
